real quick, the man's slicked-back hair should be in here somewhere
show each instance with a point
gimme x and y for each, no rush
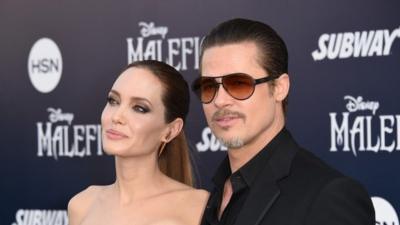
(272, 51)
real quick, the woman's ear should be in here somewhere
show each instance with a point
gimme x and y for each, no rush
(173, 129)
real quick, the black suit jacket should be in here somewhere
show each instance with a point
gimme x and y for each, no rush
(297, 188)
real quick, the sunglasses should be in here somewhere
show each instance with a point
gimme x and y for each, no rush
(238, 85)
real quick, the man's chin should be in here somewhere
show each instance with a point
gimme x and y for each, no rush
(231, 142)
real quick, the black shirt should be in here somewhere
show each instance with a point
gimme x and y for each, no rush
(241, 180)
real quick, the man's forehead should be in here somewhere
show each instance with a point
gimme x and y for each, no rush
(230, 58)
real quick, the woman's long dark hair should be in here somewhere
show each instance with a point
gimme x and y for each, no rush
(174, 160)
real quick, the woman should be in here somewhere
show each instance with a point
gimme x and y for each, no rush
(142, 126)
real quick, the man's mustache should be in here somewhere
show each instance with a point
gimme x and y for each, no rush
(226, 112)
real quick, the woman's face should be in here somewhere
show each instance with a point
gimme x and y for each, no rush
(133, 120)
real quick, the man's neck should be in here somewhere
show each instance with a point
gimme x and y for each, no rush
(240, 156)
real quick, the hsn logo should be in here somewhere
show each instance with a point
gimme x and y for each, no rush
(45, 65)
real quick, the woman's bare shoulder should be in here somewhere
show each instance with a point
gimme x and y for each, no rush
(198, 195)
(193, 201)
(183, 191)
(79, 205)
(189, 198)
(186, 192)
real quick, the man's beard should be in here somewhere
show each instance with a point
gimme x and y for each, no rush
(232, 143)
(235, 142)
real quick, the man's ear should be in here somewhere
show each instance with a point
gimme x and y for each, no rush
(281, 88)
(173, 129)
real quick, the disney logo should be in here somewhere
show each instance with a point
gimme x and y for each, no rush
(149, 29)
(357, 104)
(56, 115)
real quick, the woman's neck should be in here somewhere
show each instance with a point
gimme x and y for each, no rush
(137, 178)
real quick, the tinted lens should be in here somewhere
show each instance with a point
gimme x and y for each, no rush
(239, 86)
(205, 88)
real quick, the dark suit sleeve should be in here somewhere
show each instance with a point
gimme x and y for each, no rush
(342, 202)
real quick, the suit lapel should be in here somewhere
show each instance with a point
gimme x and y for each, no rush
(260, 199)
(210, 208)
(265, 191)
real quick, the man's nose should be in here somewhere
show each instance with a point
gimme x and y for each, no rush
(222, 98)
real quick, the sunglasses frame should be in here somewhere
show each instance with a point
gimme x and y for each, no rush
(196, 86)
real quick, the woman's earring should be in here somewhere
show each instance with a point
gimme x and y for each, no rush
(161, 148)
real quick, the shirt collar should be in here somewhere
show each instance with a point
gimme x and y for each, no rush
(252, 168)
(223, 172)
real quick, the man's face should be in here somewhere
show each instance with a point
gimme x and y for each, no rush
(235, 122)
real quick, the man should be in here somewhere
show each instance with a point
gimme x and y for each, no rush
(266, 178)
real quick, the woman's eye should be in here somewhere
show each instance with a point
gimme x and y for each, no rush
(140, 109)
(111, 101)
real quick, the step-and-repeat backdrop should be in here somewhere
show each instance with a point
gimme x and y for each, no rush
(58, 60)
